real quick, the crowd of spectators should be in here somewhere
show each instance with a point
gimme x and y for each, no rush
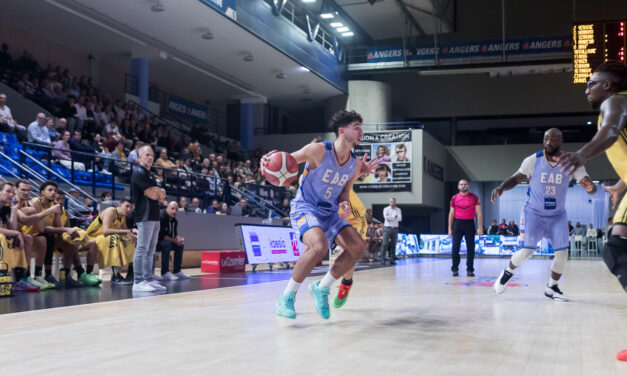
(108, 132)
(503, 228)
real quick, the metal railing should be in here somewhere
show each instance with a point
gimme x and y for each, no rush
(174, 181)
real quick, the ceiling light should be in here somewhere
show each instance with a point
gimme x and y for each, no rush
(281, 75)
(157, 7)
(336, 24)
(307, 91)
(304, 69)
(349, 34)
(343, 29)
(309, 1)
(207, 35)
(326, 15)
(248, 57)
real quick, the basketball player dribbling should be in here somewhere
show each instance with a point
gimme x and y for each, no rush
(543, 214)
(330, 170)
(606, 91)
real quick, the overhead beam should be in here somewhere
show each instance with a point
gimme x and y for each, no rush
(410, 17)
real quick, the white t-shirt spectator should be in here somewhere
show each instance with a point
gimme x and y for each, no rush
(592, 233)
(81, 111)
(392, 216)
(5, 114)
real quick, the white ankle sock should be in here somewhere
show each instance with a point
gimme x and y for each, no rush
(292, 286)
(327, 281)
(552, 282)
(509, 269)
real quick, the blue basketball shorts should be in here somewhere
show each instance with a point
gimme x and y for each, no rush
(304, 217)
(534, 227)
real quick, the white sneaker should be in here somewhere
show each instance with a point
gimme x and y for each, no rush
(143, 286)
(156, 286)
(170, 277)
(181, 275)
(555, 293)
(500, 285)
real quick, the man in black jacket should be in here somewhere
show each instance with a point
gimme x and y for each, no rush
(169, 240)
(76, 145)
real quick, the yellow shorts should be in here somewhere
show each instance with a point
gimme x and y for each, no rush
(63, 240)
(11, 255)
(621, 213)
(360, 225)
(114, 250)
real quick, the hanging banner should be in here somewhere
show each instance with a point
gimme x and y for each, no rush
(524, 46)
(269, 193)
(182, 107)
(227, 7)
(393, 149)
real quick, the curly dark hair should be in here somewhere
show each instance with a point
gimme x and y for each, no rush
(616, 69)
(343, 118)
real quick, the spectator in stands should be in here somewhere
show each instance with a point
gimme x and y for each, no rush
(7, 123)
(26, 87)
(76, 144)
(214, 207)
(52, 132)
(512, 229)
(37, 130)
(285, 207)
(106, 198)
(195, 206)
(118, 161)
(81, 113)
(64, 156)
(168, 241)
(493, 229)
(93, 212)
(110, 142)
(216, 168)
(224, 209)
(183, 202)
(503, 227)
(112, 127)
(132, 156)
(242, 208)
(226, 188)
(591, 233)
(570, 228)
(579, 230)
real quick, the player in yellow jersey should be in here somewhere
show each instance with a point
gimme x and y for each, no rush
(66, 244)
(115, 242)
(607, 91)
(52, 228)
(357, 219)
(31, 225)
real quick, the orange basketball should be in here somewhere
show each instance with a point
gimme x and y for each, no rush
(281, 170)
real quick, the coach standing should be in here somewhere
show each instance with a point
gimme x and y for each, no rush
(461, 222)
(392, 215)
(146, 195)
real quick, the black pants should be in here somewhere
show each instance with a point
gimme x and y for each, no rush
(388, 245)
(50, 240)
(466, 228)
(165, 247)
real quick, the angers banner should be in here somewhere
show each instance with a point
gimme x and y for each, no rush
(393, 149)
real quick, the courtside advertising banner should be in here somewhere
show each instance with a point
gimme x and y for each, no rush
(393, 150)
(270, 244)
(484, 245)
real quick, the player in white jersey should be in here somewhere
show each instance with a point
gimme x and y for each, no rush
(543, 214)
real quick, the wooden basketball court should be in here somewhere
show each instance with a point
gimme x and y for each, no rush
(411, 319)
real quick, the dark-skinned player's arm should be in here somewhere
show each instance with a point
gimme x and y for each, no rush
(614, 112)
(508, 184)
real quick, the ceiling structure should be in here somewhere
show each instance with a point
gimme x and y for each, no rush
(389, 19)
(209, 69)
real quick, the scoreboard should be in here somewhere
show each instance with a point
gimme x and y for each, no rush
(596, 43)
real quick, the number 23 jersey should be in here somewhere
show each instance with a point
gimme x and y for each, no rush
(547, 184)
